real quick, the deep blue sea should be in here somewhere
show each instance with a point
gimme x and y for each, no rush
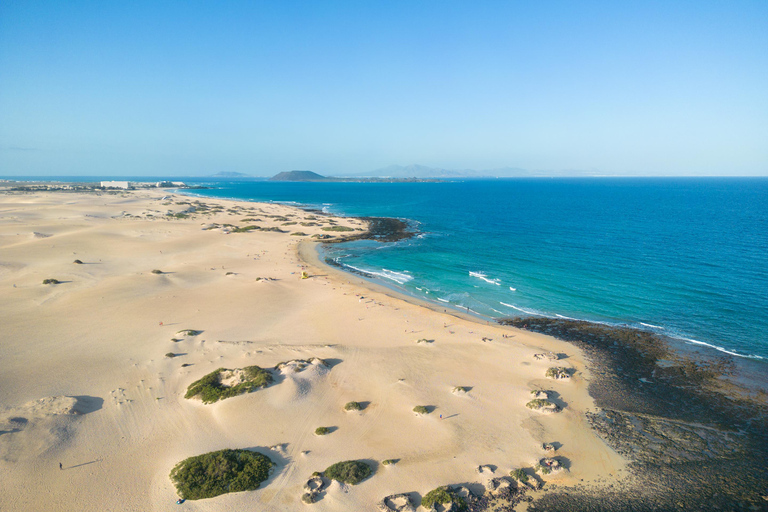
(686, 257)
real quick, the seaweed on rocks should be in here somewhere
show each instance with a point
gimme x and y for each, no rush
(693, 438)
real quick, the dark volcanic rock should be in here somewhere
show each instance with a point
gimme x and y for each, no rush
(694, 441)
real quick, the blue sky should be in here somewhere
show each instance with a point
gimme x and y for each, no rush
(194, 88)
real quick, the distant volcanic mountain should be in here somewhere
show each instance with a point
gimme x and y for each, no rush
(298, 176)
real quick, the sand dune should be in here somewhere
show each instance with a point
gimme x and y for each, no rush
(102, 335)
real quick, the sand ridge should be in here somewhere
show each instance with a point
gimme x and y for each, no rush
(105, 330)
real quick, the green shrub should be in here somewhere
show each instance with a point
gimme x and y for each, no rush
(77, 262)
(157, 271)
(519, 474)
(420, 409)
(170, 354)
(353, 406)
(245, 229)
(538, 403)
(298, 233)
(321, 431)
(189, 332)
(215, 473)
(210, 390)
(544, 470)
(337, 228)
(389, 461)
(350, 471)
(461, 389)
(442, 496)
(51, 281)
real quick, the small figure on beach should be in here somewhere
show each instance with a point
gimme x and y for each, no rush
(61, 466)
(441, 416)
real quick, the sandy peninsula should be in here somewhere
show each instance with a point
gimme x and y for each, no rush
(94, 369)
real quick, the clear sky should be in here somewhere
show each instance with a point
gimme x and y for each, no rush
(192, 87)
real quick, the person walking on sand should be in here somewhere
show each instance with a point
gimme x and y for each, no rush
(60, 466)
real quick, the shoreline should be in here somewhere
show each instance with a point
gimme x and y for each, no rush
(727, 393)
(85, 381)
(244, 292)
(684, 341)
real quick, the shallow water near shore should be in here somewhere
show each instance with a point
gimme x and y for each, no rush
(681, 257)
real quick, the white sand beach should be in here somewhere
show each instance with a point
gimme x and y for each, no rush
(85, 380)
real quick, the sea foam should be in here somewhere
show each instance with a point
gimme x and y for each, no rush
(484, 277)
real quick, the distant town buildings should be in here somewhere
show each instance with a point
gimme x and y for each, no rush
(115, 184)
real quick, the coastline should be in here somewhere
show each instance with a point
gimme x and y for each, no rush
(263, 313)
(85, 381)
(705, 394)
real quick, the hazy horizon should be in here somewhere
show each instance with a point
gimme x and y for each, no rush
(343, 88)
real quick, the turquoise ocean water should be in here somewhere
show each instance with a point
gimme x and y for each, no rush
(683, 257)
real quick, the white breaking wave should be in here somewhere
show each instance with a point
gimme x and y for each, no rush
(565, 317)
(721, 349)
(651, 325)
(398, 277)
(513, 289)
(484, 277)
(526, 311)
(443, 300)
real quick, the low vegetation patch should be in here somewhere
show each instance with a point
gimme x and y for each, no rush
(421, 409)
(157, 271)
(353, 406)
(337, 228)
(389, 461)
(245, 229)
(539, 403)
(350, 472)
(170, 355)
(189, 332)
(211, 389)
(443, 496)
(298, 233)
(221, 472)
(321, 431)
(519, 474)
(51, 281)
(558, 372)
(77, 262)
(461, 389)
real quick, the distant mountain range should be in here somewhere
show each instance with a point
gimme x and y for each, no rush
(422, 171)
(228, 174)
(313, 176)
(414, 172)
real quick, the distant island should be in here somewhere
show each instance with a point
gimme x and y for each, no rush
(313, 176)
(299, 176)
